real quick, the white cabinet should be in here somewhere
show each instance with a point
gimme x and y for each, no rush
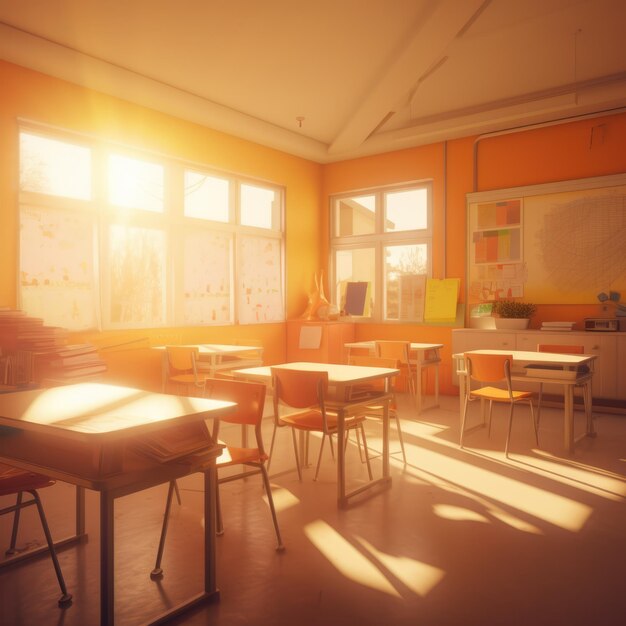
(609, 379)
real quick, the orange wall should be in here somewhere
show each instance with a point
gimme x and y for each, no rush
(581, 149)
(34, 96)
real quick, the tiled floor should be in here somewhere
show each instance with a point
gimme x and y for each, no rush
(462, 537)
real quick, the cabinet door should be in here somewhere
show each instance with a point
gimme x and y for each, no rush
(604, 346)
(619, 373)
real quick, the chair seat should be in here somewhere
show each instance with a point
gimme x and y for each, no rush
(231, 455)
(500, 395)
(13, 480)
(313, 420)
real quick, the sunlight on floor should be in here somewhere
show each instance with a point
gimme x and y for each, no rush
(542, 504)
(283, 498)
(347, 559)
(373, 572)
(585, 477)
(419, 577)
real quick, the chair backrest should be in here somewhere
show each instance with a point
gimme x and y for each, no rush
(393, 350)
(182, 358)
(489, 368)
(249, 396)
(557, 349)
(299, 389)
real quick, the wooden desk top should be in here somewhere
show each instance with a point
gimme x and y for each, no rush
(337, 374)
(92, 434)
(89, 411)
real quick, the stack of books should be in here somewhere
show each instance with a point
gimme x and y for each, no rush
(74, 363)
(558, 326)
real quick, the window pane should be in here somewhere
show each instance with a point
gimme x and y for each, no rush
(206, 197)
(137, 276)
(57, 269)
(260, 285)
(357, 265)
(355, 216)
(207, 291)
(401, 261)
(406, 210)
(257, 206)
(54, 167)
(135, 184)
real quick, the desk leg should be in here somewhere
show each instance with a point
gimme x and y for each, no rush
(568, 409)
(107, 603)
(386, 472)
(210, 488)
(80, 511)
(418, 387)
(462, 392)
(341, 460)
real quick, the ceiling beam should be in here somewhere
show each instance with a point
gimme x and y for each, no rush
(423, 51)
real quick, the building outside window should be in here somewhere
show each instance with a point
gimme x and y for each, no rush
(381, 239)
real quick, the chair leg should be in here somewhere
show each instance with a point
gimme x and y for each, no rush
(177, 491)
(508, 436)
(269, 459)
(157, 572)
(319, 456)
(270, 501)
(16, 522)
(400, 438)
(539, 399)
(295, 450)
(535, 422)
(65, 598)
(367, 454)
(463, 420)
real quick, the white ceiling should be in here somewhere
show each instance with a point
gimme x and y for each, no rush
(334, 79)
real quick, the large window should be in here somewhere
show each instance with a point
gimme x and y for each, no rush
(114, 239)
(381, 238)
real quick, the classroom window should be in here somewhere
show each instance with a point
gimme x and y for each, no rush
(113, 239)
(378, 238)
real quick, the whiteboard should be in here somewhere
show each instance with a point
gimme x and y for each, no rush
(573, 243)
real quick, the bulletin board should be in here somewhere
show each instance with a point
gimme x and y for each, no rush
(558, 243)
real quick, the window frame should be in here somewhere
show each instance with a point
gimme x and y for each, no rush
(379, 240)
(171, 222)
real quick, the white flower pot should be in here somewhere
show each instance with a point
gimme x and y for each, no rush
(512, 323)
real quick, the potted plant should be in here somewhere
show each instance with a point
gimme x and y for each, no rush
(513, 314)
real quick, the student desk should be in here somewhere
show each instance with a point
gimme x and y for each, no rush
(544, 367)
(342, 378)
(214, 355)
(86, 435)
(422, 356)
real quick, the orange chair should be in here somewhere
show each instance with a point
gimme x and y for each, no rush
(585, 386)
(492, 369)
(250, 399)
(15, 481)
(378, 386)
(399, 350)
(182, 369)
(306, 392)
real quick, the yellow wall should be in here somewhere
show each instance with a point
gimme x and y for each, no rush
(580, 149)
